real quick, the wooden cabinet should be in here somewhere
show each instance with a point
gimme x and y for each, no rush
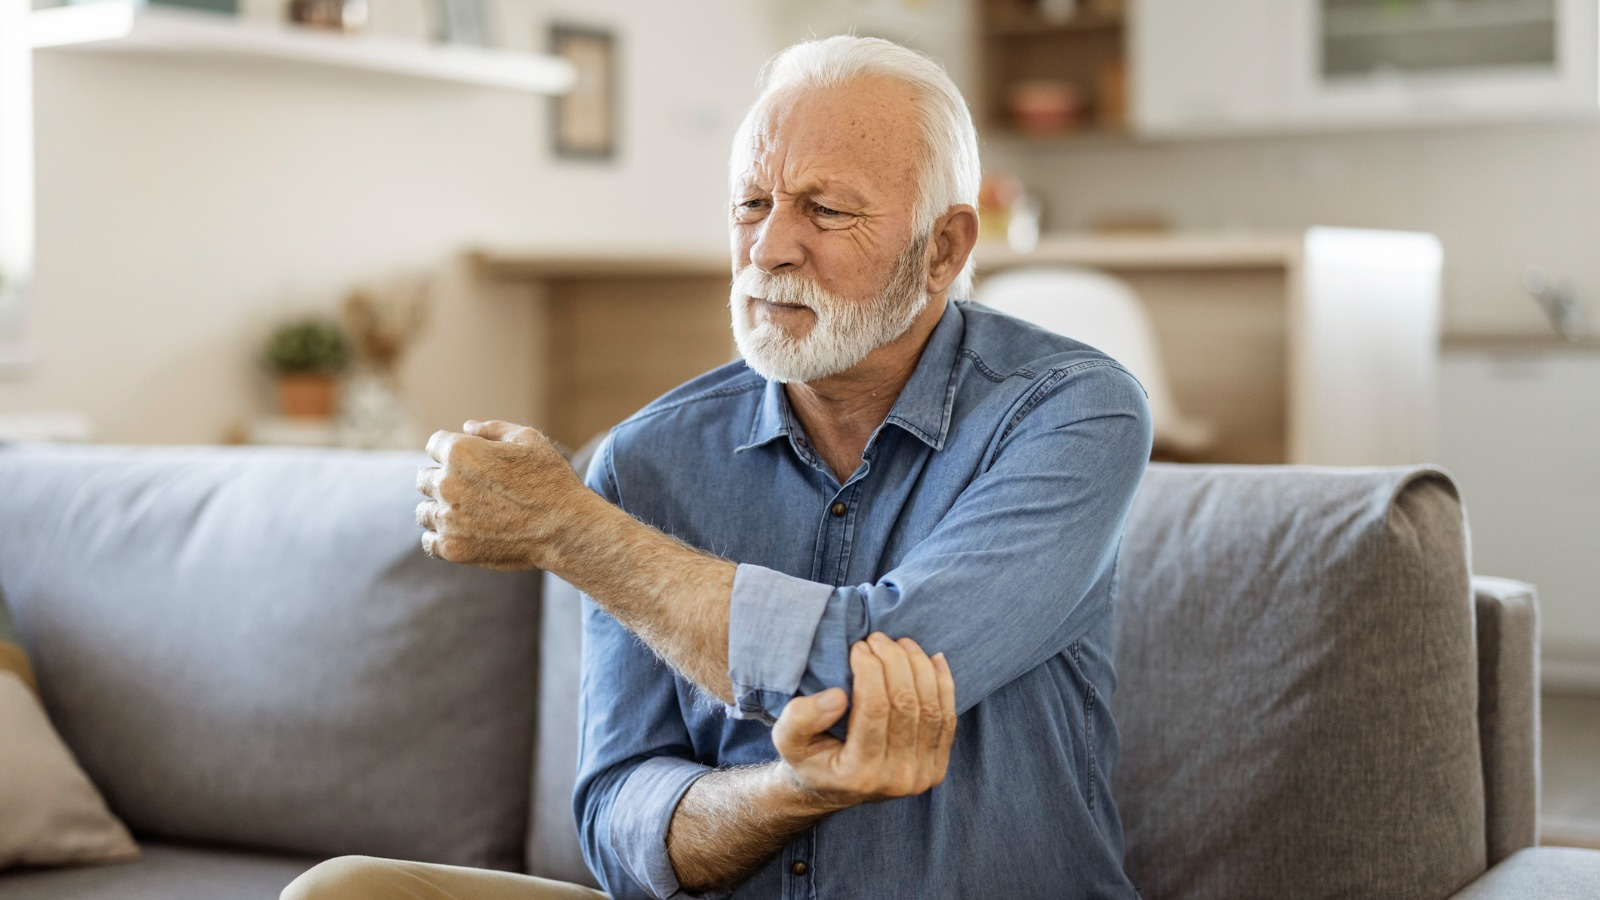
(1053, 67)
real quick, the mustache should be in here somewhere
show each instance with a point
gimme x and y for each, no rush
(790, 288)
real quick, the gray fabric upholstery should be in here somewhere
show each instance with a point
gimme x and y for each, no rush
(1540, 873)
(553, 849)
(165, 873)
(1508, 712)
(1298, 690)
(247, 647)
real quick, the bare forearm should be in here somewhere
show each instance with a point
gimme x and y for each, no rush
(732, 821)
(674, 597)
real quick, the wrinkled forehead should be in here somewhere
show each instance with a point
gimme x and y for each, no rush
(867, 126)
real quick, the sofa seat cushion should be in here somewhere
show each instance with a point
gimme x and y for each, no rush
(248, 647)
(1297, 687)
(1548, 873)
(167, 872)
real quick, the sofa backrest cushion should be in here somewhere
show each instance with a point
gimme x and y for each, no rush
(1297, 685)
(247, 646)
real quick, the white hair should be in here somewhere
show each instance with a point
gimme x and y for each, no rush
(950, 173)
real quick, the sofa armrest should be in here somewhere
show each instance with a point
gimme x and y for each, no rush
(1508, 712)
(1548, 873)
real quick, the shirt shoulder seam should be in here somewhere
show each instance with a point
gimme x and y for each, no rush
(655, 409)
(1053, 377)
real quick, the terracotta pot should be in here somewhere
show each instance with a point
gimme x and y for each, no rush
(305, 395)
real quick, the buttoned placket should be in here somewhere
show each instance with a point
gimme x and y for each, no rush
(837, 524)
(835, 531)
(799, 869)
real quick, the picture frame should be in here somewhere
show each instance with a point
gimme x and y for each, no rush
(583, 122)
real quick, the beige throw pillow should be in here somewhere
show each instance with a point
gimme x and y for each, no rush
(50, 813)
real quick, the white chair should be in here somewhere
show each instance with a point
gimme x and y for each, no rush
(1105, 313)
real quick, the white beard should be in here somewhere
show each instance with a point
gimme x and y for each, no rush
(844, 332)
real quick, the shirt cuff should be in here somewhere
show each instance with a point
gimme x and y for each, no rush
(773, 623)
(640, 815)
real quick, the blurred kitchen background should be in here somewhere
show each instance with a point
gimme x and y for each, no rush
(1332, 231)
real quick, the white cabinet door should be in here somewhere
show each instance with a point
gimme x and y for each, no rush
(1211, 67)
(1520, 433)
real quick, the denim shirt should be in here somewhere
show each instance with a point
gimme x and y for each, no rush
(984, 522)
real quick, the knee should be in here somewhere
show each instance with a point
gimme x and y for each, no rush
(341, 878)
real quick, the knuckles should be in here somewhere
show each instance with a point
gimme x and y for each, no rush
(876, 707)
(907, 703)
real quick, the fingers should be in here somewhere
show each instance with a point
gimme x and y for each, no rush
(496, 430)
(806, 719)
(428, 481)
(869, 709)
(916, 728)
(425, 513)
(440, 443)
(905, 706)
(947, 715)
(930, 717)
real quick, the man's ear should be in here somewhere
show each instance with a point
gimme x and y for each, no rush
(954, 235)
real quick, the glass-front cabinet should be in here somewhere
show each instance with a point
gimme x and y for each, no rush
(1231, 65)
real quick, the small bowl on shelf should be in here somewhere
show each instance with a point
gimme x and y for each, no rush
(1041, 108)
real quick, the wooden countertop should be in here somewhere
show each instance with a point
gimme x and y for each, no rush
(1469, 342)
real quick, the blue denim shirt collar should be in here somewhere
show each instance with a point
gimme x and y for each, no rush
(923, 408)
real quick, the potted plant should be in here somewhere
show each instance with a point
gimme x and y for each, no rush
(307, 355)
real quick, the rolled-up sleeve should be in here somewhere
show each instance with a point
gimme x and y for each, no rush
(777, 627)
(641, 814)
(1000, 583)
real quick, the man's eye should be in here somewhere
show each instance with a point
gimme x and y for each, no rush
(750, 205)
(828, 212)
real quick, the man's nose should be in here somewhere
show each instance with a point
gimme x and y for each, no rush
(778, 246)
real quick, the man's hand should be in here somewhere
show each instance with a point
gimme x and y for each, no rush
(499, 495)
(902, 724)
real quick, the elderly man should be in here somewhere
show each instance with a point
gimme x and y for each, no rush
(779, 542)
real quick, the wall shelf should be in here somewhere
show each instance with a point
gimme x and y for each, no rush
(123, 26)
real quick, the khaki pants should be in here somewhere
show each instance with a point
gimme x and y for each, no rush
(368, 878)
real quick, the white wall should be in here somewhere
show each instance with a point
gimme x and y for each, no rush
(185, 206)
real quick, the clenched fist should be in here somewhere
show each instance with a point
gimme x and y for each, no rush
(499, 498)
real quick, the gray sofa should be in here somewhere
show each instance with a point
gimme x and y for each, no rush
(251, 658)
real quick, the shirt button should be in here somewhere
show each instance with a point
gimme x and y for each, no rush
(799, 868)
(837, 508)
